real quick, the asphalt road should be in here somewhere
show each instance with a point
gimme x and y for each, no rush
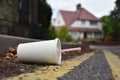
(97, 67)
(11, 41)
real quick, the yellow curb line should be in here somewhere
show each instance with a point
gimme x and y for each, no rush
(114, 62)
(53, 72)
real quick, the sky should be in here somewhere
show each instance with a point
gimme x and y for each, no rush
(98, 8)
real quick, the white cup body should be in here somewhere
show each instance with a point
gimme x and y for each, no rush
(40, 52)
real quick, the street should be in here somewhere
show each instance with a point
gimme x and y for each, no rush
(101, 64)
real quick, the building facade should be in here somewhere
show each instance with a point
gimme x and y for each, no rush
(80, 23)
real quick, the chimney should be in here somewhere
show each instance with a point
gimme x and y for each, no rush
(78, 7)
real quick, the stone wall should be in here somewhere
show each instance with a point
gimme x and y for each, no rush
(8, 12)
(8, 15)
(12, 16)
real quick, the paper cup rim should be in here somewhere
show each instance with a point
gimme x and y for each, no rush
(58, 50)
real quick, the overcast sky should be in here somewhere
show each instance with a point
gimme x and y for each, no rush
(97, 7)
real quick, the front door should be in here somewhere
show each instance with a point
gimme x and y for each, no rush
(85, 35)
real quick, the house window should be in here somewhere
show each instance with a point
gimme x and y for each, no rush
(58, 22)
(73, 33)
(97, 34)
(83, 22)
(93, 22)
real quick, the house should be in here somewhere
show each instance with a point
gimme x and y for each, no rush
(81, 23)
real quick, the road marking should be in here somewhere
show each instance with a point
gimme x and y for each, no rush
(114, 62)
(53, 72)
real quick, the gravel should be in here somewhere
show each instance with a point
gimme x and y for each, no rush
(11, 66)
(95, 68)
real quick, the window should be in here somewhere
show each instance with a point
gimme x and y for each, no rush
(83, 22)
(93, 22)
(73, 33)
(24, 11)
(20, 5)
(98, 34)
(58, 22)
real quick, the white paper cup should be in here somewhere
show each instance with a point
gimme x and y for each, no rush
(40, 52)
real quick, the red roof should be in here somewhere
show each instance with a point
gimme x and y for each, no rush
(82, 14)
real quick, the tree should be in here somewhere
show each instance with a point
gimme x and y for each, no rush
(115, 21)
(52, 33)
(45, 13)
(107, 28)
(63, 34)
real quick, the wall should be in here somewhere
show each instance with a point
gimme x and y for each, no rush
(86, 24)
(75, 35)
(8, 12)
(10, 17)
(59, 21)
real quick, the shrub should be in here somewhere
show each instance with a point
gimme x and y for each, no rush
(63, 34)
(52, 33)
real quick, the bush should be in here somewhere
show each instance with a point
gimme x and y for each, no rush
(52, 33)
(63, 34)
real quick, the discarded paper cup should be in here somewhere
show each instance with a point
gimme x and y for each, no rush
(40, 52)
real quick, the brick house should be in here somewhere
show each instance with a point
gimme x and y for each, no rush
(81, 23)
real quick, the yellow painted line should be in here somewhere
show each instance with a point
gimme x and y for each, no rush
(114, 62)
(53, 72)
